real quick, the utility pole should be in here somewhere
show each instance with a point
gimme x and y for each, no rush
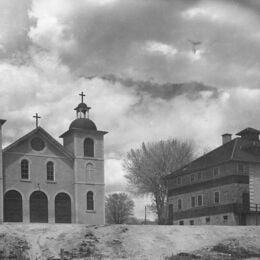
(145, 215)
(256, 210)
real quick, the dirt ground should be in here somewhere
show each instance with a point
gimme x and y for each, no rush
(44, 241)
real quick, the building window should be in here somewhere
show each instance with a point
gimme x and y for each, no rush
(37, 144)
(216, 197)
(89, 147)
(193, 202)
(241, 168)
(181, 222)
(207, 220)
(215, 172)
(89, 169)
(199, 200)
(90, 201)
(50, 171)
(192, 178)
(199, 176)
(191, 222)
(179, 204)
(25, 169)
(225, 219)
(179, 180)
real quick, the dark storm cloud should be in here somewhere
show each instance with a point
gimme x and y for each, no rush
(166, 91)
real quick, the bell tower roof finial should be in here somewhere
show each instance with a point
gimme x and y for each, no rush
(82, 108)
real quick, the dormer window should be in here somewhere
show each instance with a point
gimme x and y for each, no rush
(89, 147)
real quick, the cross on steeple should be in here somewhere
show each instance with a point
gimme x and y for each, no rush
(36, 118)
(82, 96)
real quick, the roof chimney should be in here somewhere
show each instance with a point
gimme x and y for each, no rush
(226, 138)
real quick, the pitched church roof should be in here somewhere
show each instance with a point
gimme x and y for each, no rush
(39, 130)
(245, 149)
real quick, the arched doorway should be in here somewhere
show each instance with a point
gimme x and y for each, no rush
(62, 208)
(38, 207)
(13, 206)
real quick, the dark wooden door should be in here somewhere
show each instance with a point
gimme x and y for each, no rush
(38, 207)
(13, 207)
(62, 208)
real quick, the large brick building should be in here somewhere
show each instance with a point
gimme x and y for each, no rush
(44, 181)
(221, 187)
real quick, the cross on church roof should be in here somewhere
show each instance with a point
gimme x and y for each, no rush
(82, 96)
(36, 118)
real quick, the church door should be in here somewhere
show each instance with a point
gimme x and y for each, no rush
(38, 207)
(13, 206)
(62, 208)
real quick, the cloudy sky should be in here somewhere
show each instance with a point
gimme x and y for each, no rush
(144, 78)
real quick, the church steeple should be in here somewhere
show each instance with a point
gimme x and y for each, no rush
(82, 109)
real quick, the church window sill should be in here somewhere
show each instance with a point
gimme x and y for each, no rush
(51, 182)
(24, 180)
(90, 211)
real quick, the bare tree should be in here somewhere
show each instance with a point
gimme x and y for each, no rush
(147, 165)
(119, 208)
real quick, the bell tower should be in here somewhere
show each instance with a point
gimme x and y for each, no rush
(86, 143)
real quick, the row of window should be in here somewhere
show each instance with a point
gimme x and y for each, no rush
(207, 220)
(198, 201)
(38, 144)
(215, 171)
(25, 170)
(50, 171)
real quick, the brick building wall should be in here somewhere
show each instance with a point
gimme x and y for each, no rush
(197, 194)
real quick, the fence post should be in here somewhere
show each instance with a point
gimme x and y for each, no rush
(62, 254)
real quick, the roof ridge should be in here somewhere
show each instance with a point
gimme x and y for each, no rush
(45, 134)
(58, 145)
(20, 139)
(208, 158)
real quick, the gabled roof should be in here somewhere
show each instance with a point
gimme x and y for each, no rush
(248, 130)
(39, 130)
(238, 149)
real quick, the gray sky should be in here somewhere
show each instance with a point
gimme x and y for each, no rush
(134, 60)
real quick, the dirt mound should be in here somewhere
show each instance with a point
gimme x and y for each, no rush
(45, 241)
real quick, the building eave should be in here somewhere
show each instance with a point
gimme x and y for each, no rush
(70, 131)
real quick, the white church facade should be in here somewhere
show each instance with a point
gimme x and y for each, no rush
(43, 181)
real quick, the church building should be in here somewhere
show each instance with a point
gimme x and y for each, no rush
(43, 181)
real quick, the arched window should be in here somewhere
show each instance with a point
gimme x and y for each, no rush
(90, 201)
(89, 171)
(89, 147)
(50, 171)
(25, 169)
